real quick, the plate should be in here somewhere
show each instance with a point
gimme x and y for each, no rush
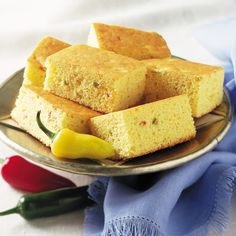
(211, 130)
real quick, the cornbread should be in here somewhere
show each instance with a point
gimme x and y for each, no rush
(34, 73)
(99, 79)
(128, 41)
(170, 77)
(147, 128)
(57, 113)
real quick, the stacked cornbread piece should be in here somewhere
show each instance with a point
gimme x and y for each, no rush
(57, 112)
(35, 70)
(170, 77)
(123, 87)
(100, 79)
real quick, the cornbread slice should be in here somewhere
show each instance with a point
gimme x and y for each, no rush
(146, 128)
(99, 79)
(34, 73)
(170, 77)
(128, 41)
(56, 112)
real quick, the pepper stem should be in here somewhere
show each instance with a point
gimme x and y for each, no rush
(49, 133)
(2, 160)
(14, 210)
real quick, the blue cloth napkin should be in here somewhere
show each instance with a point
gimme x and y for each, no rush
(190, 200)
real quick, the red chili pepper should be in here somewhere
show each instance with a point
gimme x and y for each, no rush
(28, 177)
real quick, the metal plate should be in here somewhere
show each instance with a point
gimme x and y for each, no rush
(211, 129)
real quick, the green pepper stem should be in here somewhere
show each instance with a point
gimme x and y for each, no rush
(2, 160)
(49, 133)
(14, 210)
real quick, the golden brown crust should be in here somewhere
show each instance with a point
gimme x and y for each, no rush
(35, 70)
(46, 47)
(131, 42)
(62, 103)
(177, 65)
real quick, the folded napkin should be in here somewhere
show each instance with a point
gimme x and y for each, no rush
(193, 199)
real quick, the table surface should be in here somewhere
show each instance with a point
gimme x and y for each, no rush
(24, 23)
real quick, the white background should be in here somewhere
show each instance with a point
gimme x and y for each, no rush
(23, 23)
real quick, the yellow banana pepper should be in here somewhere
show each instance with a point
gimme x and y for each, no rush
(69, 144)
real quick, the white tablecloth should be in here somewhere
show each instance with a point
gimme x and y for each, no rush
(23, 23)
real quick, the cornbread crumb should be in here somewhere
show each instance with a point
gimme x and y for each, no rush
(34, 73)
(99, 79)
(128, 41)
(147, 128)
(170, 77)
(57, 113)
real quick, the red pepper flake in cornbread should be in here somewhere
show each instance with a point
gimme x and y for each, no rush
(142, 123)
